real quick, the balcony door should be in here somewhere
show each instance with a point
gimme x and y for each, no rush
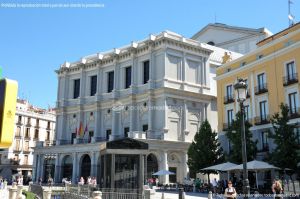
(229, 91)
(230, 117)
(261, 81)
(263, 110)
(290, 70)
(292, 103)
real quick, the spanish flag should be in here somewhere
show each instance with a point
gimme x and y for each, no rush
(80, 130)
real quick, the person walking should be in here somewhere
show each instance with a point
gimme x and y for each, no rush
(230, 192)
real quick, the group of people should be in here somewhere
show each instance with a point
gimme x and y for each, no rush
(92, 181)
(277, 190)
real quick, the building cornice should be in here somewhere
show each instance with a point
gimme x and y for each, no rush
(153, 42)
(259, 61)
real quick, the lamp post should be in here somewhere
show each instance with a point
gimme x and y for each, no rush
(241, 89)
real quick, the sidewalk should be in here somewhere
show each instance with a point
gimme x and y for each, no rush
(174, 195)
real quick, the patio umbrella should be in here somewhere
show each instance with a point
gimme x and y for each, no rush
(221, 167)
(254, 165)
(163, 172)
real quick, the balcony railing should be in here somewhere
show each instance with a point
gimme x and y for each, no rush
(290, 79)
(228, 99)
(64, 142)
(227, 126)
(262, 88)
(294, 112)
(263, 119)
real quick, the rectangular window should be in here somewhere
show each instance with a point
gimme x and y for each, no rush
(110, 81)
(229, 91)
(146, 71)
(290, 70)
(36, 134)
(20, 119)
(25, 159)
(126, 131)
(246, 108)
(145, 127)
(108, 133)
(91, 134)
(93, 85)
(292, 103)
(29, 121)
(76, 90)
(27, 133)
(37, 122)
(263, 111)
(73, 137)
(18, 133)
(230, 117)
(127, 77)
(48, 125)
(48, 136)
(17, 146)
(261, 81)
(264, 139)
(26, 146)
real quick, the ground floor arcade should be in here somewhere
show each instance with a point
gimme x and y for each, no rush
(122, 163)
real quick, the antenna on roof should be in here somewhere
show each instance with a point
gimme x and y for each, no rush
(290, 16)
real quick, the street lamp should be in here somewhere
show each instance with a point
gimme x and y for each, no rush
(241, 89)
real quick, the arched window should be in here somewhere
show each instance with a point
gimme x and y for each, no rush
(211, 43)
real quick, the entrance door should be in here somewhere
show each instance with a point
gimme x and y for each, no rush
(86, 166)
(172, 178)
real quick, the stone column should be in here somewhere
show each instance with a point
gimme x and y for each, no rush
(151, 67)
(57, 169)
(97, 195)
(142, 173)
(151, 114)
(184, 165)
(164, 165)
(12, 192)
(34, 169)
(74, 170)
(112, 175)
(97, 121)
(185, 119)
(133, 111)
(116, 124)
(94, 164)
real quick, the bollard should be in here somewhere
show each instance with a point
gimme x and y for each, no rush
(97, 195)
(147, 193)
(162, 195)
(194, 188)
(30, 184)
(13, 192)
(79, 187)
(47, 194)
(19, 192)
(209, 195)
(180, 191)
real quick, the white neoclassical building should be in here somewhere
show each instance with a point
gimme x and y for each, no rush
(32, 124)
(131, 111)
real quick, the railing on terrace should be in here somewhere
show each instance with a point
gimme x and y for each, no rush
(107, 193)
(290, 79)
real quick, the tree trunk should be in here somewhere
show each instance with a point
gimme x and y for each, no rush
(294, 189)
(208, 179)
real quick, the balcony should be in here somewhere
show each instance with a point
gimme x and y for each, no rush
(63, 142)
(290, 79)
(18, 136)
(28, 124)
(228, 99)
(227, 126)
(262, 88)
(294, 112)
(14, 161)
(17, 150)
(26, 137)
(26, 150)
(19, 122)
(263, 119)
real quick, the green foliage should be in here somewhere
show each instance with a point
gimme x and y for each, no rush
(205, 150)
(285, 154)
(234, 136)
(29, 195)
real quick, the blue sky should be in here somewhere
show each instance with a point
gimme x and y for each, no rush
(35, 41)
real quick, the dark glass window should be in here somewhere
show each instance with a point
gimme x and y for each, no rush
(110, 81)
(93, 85)
(230, 117)
(128, 77)
(108, 133)
(292, 103)
(261, 81)
(126, 131)
(76, 88)
(263, 111)
(146, 71)
(145, 127)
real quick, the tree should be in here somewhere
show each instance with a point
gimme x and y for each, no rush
(285, 153)
(205, 150)
(234, 136)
